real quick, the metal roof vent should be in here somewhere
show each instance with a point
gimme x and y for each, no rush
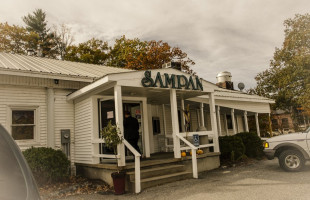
(224, 80)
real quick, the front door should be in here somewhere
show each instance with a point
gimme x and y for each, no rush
(107, 113)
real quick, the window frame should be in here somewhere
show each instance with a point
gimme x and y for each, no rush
(36, 110)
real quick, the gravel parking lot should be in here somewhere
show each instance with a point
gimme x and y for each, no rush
(256, 180)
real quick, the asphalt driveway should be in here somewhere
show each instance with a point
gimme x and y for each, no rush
(256, 180)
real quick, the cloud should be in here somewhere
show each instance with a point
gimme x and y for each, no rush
(237, 36)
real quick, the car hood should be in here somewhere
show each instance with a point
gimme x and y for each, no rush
(288, 137)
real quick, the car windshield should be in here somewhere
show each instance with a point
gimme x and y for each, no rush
(12, 181)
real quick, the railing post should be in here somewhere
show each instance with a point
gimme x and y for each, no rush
(194, 163)
(137, 175)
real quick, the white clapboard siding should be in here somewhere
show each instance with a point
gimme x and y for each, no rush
(83, 131)
(64, 118)
(194, 120)
(25, 96)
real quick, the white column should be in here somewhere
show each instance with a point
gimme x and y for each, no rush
(219, 128)
(202, 118)
(119, 121)
(233, 120)
(182, 116)
(50, 118)
(146, 132)
(257, 124)
(175, 123)
(246, 124)
(225, 124)
(213, 122)
(165, 127)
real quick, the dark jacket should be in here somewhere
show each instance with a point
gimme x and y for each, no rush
(131, 128)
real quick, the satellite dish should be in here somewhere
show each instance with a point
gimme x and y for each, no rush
(241, 86)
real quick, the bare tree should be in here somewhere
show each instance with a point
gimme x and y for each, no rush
(64, 38)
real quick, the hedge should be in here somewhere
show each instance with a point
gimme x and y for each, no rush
(48, 165)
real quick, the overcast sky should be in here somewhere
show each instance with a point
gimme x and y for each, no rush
(239, 36)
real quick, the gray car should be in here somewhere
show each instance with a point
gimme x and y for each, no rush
(16, 180)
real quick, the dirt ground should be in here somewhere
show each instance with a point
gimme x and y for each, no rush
(254, 180)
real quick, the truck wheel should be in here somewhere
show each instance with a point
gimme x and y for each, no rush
(291, 160)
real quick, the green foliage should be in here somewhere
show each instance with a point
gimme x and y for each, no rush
(288, 78)
(47, 165)
(110, 134)
(92, 51)
(253, 144)
(231, 147)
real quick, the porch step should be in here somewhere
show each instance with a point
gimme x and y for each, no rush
(162, 179)
(157, 171)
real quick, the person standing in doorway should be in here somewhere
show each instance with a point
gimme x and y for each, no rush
(131, 130)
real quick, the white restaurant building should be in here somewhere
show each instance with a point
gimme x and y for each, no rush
(63, 105)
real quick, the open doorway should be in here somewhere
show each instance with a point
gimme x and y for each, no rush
(107, 113)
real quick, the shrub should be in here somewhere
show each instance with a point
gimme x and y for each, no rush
(47, 165)
(253, 144)
(231, 147)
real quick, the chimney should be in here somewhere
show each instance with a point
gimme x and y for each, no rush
(173, 65)
(224, 80)
(30, 52)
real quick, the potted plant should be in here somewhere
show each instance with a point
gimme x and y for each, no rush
(112, 137)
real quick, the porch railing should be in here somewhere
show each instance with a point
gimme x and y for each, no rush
(137, 166)
(194, 157)
(137, 161)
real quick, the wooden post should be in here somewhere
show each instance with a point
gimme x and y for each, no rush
(182, 116)
(270, 125)
(225, 124)
(232, 112)
(246, 123)
(175, 123)
(202, 118)
(257, 124)
(146, 132)
(219, 127)
(213, 122)
(119, 121)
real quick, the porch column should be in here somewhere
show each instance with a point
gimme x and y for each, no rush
(119, 121)
(175, 123)
(202, 118)
(233, 120)
(165, 127)
(225, 124)
(219, 128)
(50, 118)
(246, 124)
(213, 122)
(146, 136)
(182, 116)
(270, 125)
(257, 124)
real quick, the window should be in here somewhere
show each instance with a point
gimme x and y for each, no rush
(156, 125)
(23, 124)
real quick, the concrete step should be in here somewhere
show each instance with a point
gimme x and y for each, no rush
(159, 180)
(156, 171)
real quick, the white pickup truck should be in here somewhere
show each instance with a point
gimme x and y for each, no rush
(292, 150)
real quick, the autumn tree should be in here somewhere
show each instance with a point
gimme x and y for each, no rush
(16, 39)
(93, 51)
(288, 78)
(141, 55)
(36, 22)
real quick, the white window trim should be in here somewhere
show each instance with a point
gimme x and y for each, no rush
(36, 109)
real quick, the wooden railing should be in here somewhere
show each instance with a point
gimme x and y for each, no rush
(137, 161)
